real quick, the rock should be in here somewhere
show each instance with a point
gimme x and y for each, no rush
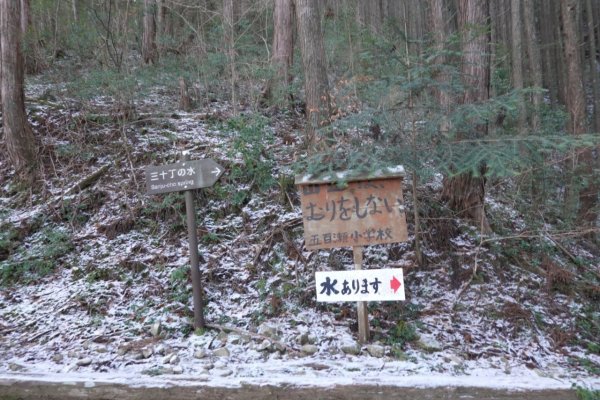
(429, 344)
(122, 350)
(221, 352)
(225, 372)
(201, 353)
(160, 349)
(57, 358)
(376, 350)
(178, 369)
(309, 349)
(147, 352)
(15, 367)
(207, 366)
(268, 331)
(73, 354)
(223, 337)
(265, 345)
(233, 339)
(279, 346)
(352, 349)
(137, 355)
(101, 350)
(302, 339)
(155, 329)
(84, 362)
(174, 359)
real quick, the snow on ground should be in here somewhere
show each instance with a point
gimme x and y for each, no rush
(117, 309)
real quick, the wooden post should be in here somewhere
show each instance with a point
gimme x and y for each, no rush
(194, 256)
(361, 306)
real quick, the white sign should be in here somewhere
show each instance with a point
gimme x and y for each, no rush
(360, 285)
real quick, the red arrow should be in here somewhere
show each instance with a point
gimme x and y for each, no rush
(395, 284)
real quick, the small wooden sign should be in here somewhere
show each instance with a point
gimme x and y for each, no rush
(368, 210)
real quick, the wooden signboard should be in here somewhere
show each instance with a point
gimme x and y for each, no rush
(367, 211)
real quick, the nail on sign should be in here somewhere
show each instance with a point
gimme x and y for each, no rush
(360, 285)
(185, 175)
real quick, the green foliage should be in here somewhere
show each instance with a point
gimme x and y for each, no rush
(39, 260)
(399, 120)
(401, 333)
(587, 394)
(252, 168)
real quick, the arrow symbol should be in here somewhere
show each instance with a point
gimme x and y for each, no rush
(216, 171)
(395, 284)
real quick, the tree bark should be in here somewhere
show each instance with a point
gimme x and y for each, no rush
(439, 31)
(282, 56)
(595, 81)
(25, 16)
(588, 194)
(20, 142)
(535, 63)
(517, 59)
(149, 49)
(465, 193)
(316, 85)
(230, 17)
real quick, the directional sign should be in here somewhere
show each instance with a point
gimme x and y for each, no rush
(360, 285)
(185, 175)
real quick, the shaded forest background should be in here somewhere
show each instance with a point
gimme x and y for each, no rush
(471, 89)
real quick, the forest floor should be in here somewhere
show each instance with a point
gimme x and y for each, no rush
(95, 283)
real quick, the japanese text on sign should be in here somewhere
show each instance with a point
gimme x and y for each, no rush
(360, 285)
(363, 213)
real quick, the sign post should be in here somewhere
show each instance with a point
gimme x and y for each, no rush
(368, 210)
(186, 176)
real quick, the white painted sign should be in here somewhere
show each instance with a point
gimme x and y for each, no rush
(360, 285)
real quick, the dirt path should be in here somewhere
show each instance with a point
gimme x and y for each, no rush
(32, 390)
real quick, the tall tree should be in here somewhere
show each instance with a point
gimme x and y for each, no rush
(25, 16)
(149, 49)
(316, 85)
(516, 57)
(231, 13)
(439, 31)
(576, 105)
(20, 142)
(593, 68)
(534, 60)
(282, 56)
(465, 193)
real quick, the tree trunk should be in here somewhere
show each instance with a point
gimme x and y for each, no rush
(588, 195)
(282, 57)
(316, 86)
(25, 16)
(535, 63)
(20, 142)
(465, 193)
(517, 59)
(439, 31)
(149, 49)
(74, 10)
(595, 81)
(230, 17)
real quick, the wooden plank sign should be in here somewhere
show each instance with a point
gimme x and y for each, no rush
(360, 285)
(368, 211)
(185, 175)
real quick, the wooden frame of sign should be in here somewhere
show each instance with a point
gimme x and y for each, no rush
(353, 210)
